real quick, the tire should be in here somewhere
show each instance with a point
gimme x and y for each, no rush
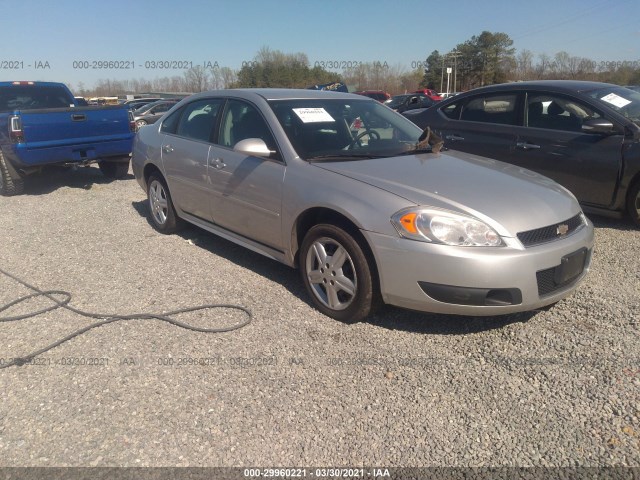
(633, 203)
(11, 183)
(344, 288)
(140, 123)
(163, 214)
(114, 170)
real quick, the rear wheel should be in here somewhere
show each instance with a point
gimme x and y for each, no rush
(11, 182)
(111, 169)
(633, 203)
(337, 274)
(163, 214)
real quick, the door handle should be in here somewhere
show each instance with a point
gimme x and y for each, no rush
(454, 137)
(167, 149)
(218, 163)
(527, 145)
(78, 117)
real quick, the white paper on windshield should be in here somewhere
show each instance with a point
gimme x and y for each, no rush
(616, 100)
(313, 115)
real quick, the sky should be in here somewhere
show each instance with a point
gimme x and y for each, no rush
(65, 40)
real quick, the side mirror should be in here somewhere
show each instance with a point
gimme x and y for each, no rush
(598, 125)
(254, 147)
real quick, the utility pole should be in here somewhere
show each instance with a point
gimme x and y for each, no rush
(455, 54)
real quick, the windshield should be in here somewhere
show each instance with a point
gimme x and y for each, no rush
(344, 128)
(624, 101)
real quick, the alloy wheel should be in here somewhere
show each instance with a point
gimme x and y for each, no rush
(331, 274)
(158, 202)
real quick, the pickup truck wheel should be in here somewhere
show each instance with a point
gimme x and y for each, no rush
(114, 169)
(633, 203)
(11, 182)
(337, 274)
(163, 214)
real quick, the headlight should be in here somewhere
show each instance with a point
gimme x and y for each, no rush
(437, 226)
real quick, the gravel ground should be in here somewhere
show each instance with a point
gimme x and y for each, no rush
(294, 388)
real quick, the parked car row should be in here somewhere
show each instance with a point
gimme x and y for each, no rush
(583, 135)
(150, 112)
(353, 194)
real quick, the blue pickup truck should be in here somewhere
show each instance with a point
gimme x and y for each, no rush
(41, 125)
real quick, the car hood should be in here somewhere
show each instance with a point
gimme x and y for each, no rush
(511, 199)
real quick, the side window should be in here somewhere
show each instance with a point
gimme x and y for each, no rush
(171, 122)
(198, 119)
(241, 121)
(163, 107)
(556, 112)
(491, 109)
(452, 111)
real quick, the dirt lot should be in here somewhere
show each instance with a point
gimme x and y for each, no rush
(553, 388)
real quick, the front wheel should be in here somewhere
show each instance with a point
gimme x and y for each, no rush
(112, 169)
(337, 274)
(633, 203)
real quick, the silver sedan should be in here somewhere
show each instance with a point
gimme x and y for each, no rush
(352, 194)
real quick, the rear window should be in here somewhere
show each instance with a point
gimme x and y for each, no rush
(31, 97)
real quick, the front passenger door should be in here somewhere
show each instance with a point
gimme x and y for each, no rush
(554, 144)
(248, 189)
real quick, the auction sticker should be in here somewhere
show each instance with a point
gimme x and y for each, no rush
(313, 115)
(616, 100)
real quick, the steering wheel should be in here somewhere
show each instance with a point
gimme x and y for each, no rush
(372, 134)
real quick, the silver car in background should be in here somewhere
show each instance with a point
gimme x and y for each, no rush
(342, 187)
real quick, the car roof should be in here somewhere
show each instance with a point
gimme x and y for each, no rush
(559, 85)
(282, 94)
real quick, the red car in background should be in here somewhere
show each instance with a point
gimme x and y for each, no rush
(432, 94)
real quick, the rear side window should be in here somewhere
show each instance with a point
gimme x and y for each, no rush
(196, 120)
(491, 109)
(170, 123)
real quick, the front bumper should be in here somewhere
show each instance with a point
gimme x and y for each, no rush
(459, 276)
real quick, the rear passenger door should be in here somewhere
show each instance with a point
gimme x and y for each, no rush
(484, 124)
(185, 154)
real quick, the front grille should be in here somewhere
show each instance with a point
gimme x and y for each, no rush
(551, 232)
(546, 282)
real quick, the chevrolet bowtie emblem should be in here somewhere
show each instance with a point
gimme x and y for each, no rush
(562, 229)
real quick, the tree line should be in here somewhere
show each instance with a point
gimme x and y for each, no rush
(483, 59)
